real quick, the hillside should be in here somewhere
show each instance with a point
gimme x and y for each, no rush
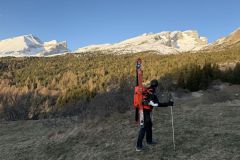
(206, 127)
(232, 39)
(33, 88)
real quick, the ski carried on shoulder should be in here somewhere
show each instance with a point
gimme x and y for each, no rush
(138, 94)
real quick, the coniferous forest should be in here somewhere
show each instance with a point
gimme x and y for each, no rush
(86, 84)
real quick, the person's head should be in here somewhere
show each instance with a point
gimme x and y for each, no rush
(154, 83)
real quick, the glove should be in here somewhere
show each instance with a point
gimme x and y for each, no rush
(145, 103)
(151, 103)
(170, 103)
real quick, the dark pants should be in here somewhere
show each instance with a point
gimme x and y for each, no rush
(146, 129)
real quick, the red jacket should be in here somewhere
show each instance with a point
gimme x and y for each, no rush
(137, 98)
(148, 94)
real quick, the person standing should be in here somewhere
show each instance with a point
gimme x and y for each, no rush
(150, 100)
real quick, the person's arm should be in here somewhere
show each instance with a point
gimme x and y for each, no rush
(170, 103)
(165, 104)
(153, 101)
(150, 100)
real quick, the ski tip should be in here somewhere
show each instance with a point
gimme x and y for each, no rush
(139, 60)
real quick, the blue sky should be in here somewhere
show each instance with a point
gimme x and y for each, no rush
(85, 22)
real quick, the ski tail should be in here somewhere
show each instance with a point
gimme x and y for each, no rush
(136, 115)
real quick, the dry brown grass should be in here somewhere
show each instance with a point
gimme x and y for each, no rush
(204, 130)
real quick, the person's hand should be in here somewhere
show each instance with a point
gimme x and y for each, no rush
(151, 103)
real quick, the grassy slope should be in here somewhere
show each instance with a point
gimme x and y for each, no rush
(206, 128)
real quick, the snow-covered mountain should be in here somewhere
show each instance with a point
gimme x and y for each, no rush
(29, 45)
(162, 43)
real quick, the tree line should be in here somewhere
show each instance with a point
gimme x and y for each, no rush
(33, 88)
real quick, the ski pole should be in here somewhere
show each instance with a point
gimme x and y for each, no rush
(173, 134)
(171, 107)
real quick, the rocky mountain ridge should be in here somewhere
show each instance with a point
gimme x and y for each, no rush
(221, 43)
(29, 45)
(163, 43)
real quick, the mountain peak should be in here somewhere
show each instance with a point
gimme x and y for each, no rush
(165, 42)
(29, 45)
